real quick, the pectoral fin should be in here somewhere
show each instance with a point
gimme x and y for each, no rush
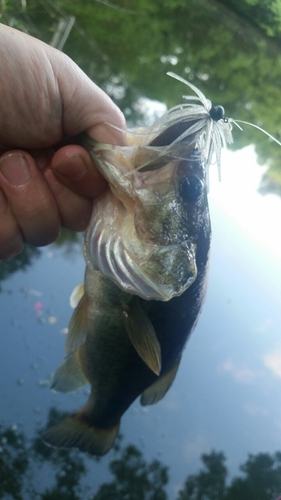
(77, 329)
(157, 391)
(143, 337)
(69, 375)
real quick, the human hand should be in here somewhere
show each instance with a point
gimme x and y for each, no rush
(45, 99)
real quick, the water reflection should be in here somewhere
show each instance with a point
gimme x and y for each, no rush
(21, 261)
(131, 476)
(69, 241)
(224, 397)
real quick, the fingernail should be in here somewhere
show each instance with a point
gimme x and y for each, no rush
(15, 169)
(73, 168)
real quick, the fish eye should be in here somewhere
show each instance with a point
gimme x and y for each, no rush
(216, 113)
(191, 188)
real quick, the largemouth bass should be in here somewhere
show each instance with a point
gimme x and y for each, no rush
(146, 252)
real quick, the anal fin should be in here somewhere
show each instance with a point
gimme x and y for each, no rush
(158, 389)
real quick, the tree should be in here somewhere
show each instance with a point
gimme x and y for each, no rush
(209, 483)
(261, 478)
(21, 261)
(13, 463)
(134, 478)
(20, 460)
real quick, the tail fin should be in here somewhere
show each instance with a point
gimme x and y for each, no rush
(75, 432)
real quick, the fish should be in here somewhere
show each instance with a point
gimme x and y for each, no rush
(147, 251)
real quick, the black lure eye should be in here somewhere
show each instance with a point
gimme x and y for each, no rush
(191, 188)
(216, 113)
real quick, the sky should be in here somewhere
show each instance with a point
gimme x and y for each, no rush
(257, 215)
(237, 195)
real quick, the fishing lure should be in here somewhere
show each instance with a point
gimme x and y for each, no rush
(188, 125)
(205, 124)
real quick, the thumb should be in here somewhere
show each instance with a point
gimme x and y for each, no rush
(85, 106)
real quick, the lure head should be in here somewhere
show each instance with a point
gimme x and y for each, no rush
(216, 113)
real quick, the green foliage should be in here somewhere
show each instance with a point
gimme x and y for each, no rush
(266, 15)
(229, 49)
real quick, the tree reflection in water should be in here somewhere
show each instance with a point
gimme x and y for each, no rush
(69, 241)
(19, 262)
(133, 477)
